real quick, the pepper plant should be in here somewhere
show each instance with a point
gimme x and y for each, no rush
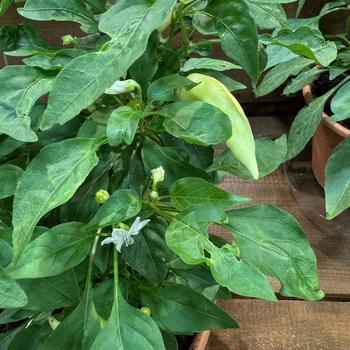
(327, 56)
(109, 185)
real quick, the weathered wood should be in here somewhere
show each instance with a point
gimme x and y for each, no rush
(286, 325)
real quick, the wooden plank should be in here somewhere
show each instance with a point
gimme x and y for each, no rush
(286, 325)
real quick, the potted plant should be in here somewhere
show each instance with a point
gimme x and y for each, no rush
(109, 185)
(326, 65)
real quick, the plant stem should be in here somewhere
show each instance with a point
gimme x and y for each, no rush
(116, 277)
(91, 260)
(6, 62)
(182, 25)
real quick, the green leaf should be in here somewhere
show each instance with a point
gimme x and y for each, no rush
(46, 294)
(50, 180)
(129, 23)
(307, 41)
(273, 241)
(276, 76)
(208, 63)
(11, 294)
(5, 253)
(121, 205)
(239, 38)
(191, 191)
(166, 88)
(340, 103)
(303, 79)
(122, 125)
(53, 252)
(305, 125)
(175, 162)
(128, 328)
(4, 5)
(9, 176)
(269, 155)
(59, 10)
(78, 330)
(149, 255)
(197, 122)
(54, 62)
(337, 184)
(231, 84)
(179, 309)
(267, 16)
(20, 88)
(187, 237)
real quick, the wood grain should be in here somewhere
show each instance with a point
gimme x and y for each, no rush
(286, 325)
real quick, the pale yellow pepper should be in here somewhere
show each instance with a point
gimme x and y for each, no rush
(213, 92)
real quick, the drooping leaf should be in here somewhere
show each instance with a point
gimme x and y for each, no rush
(122, 125)
(179, 309)
(82, 81)
(239, 39)
(208, 63)
(279, 74)
(197, 122)
(273, 241)
(53, 252)
(187, 237)
(337, 185)
(20, 88)
(340, 103)
(59, 10)
(191, 191)
(9, 176)
(50, 180)
(308, 42)
(121, 205)
(11, 294)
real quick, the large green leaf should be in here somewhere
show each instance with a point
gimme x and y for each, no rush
(9, 176)
(81, 82)
(127, 328)
(337, 185)
(53, 252)
(20, 88)
(59, 10)
(340, 103)
(197, 122)
(121, 205)
(4, 5)
(305, 125)
(122, 125)
(239, 38)
(149, 255)
(279, 74)
(273, 241)
(307, 41)
(11, 294)
(187, 237)
(269, 155)
(191, 191)
(179, 309)
(50, 180)
(49, 293)
(267, 16)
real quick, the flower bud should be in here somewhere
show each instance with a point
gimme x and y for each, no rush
(101, 196)
(68, 39)
(146, 310)
(121, 87)
(154, 195)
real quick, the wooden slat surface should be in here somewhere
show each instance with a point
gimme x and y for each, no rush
(286, 325)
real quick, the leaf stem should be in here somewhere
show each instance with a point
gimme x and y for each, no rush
(116, 277)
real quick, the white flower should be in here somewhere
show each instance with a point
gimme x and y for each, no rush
(121, 86)
(158, 174)
(122, 237)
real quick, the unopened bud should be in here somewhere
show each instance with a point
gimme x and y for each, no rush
(68, 39)
(101, 196)
(154, 195)
(146, 310)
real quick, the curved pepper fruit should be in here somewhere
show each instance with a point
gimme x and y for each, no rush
(212, 91)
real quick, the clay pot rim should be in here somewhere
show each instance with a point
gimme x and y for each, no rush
(200, 341)
(336, 127)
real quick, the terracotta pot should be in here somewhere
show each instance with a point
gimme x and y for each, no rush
(200, 341)
(328, 135)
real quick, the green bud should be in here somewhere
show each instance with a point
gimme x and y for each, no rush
(146, 310)
(154, 195)
(68, 39)
(101, 196)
